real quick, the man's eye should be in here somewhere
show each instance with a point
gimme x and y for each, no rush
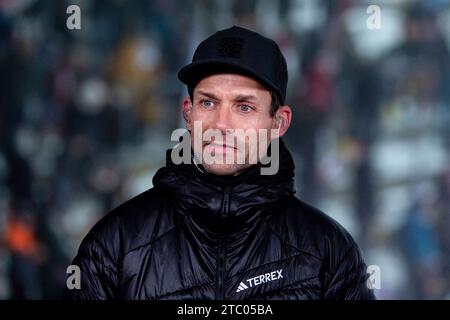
(245, 108)
(206, 104)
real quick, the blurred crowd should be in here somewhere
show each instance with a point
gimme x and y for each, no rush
(86, 116)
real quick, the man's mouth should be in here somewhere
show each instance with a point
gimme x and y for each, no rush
(220, 147)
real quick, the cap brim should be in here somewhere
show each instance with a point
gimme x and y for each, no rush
(196, 71)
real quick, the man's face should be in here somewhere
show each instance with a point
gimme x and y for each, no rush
(227, 105)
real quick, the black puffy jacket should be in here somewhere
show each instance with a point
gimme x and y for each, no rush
(197, 236)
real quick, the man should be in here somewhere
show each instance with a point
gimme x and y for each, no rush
(220, 228)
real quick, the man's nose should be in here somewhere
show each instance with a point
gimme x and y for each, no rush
(223, 119)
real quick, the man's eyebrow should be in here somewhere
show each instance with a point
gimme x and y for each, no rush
(245, 97)
(207, 94)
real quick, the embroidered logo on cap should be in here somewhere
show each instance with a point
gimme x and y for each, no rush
(230, 47)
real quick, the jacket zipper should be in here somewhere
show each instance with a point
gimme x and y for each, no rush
(220, 294)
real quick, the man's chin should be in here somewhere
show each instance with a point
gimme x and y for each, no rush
(225, 169)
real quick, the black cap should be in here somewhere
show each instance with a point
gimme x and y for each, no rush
(239, 50)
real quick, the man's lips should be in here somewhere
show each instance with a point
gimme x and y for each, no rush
(219, 147)
(214, 145)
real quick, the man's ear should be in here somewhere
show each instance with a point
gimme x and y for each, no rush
(282, 120)
(187, 109)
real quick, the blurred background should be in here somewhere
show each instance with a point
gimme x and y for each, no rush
(86, 116)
